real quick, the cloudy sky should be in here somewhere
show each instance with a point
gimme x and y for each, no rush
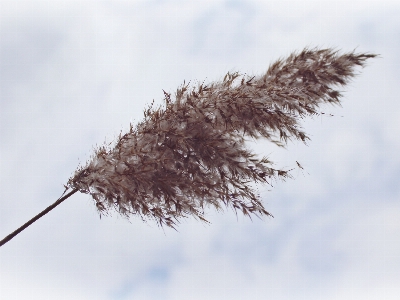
(75, 73)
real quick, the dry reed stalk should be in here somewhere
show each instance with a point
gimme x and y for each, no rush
(191, 153)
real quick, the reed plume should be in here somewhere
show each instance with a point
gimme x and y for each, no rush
(191, 154)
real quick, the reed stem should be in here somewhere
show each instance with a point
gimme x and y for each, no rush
(37, 217)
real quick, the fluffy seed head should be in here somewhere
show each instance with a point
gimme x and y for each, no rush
(191, 153)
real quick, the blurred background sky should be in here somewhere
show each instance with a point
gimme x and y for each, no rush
(74, 73)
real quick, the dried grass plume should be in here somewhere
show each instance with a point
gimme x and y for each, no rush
(191, 153)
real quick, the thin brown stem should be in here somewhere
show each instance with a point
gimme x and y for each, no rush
(37, 217)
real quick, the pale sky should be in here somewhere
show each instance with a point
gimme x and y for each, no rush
(75, 73)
